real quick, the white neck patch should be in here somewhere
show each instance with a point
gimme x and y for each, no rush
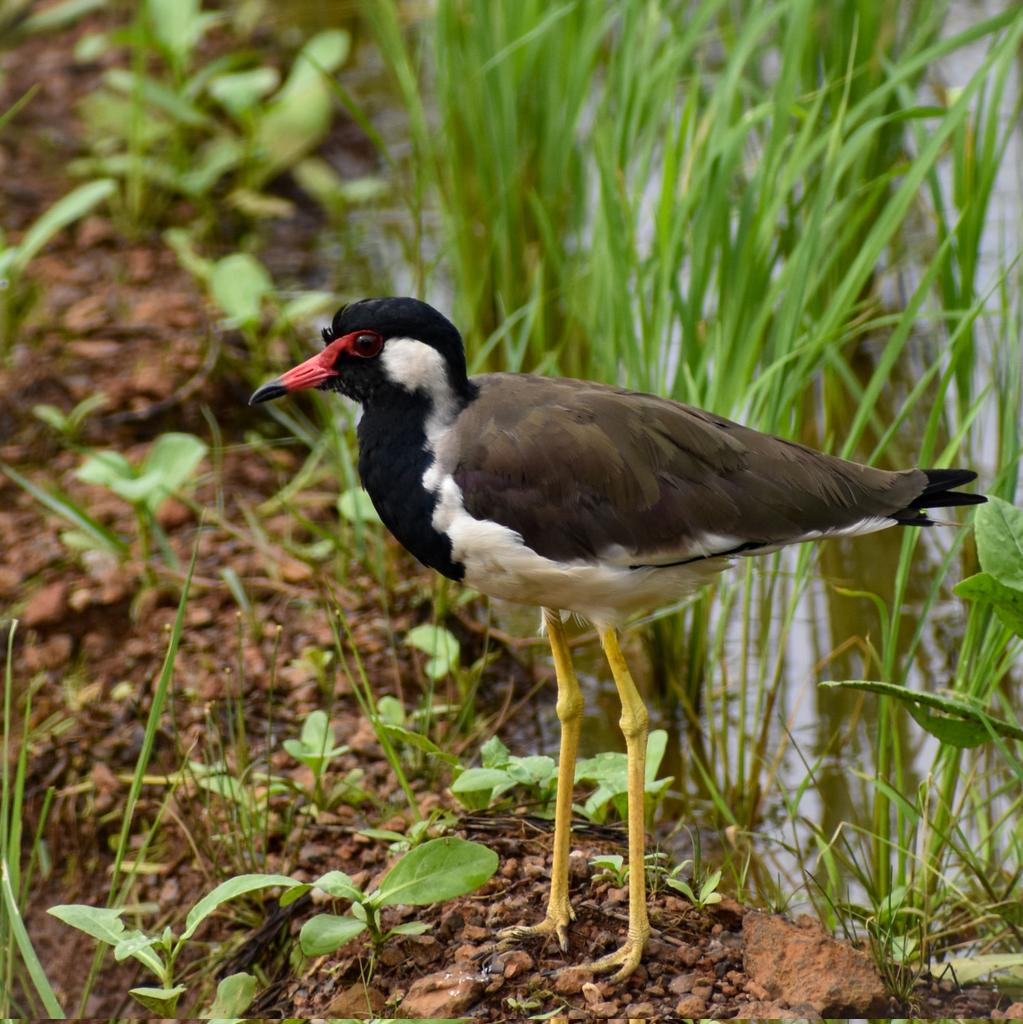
(416, 366)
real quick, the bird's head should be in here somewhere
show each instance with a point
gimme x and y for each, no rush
(379, 345)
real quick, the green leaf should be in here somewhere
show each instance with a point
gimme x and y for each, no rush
(955, 705)
(437, 642)
(438, 870)
(411, 928)
(356, 506)
(64, 211)
(139, 945)
(1006, 601)
(234, 995)
(106, 469)
(390, 710)
(102, 923)
(240, 92)
(969, 969)
(170, 462)
(326, 932)
(162, 1001)
(178, 25)
(474, 779)
(956, 732)
(416, 739)
(339, 885)
(239, 284)
(299, 117)
(999, 530)
(229, 890)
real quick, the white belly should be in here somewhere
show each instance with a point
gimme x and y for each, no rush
(499, 564)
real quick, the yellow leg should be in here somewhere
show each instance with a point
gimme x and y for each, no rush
(634, 726)
(570, 709)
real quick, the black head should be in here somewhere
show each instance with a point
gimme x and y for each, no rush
(377, 344)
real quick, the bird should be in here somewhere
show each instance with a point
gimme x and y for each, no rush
(581, 498)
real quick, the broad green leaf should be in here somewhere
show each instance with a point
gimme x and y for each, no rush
(299, 116)
(494, 754)
(210, 164)
(956, 732)
(356, 506)
(229, 890)
(326, 932)
(106, 469)
(438, 870)
(1006, 601)
(169, 464)
(419, 741)
(239, 284)
(102, 923)
(999, 530)
(440, 644)
(390, 710)
(241, 91)
(411, 928)
(162, 1001)
(339, 885)
(139, 945)
(64, 211)
(178, 25)
(969, 969)
(475, 779)
(950, 704)
(535, 770)
(234, 995)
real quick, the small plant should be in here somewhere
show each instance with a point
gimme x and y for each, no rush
(170, 462)
(436, 871)
(69, 425)
(316, 748)
(610, 867)
(706, 895)
(15, 298)
(441, 646)
(158, 953)
(417, 833)
(501, 772)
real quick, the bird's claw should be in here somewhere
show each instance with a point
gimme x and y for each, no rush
(556, 925)
(626, 959)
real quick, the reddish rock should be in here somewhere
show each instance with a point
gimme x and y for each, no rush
(358, 1001)
(778, 1010)
(444, 994)
(173, 513)
(604, 1011)
(807, 966)
(1014, 1012)
(691, 1006)
(46, 606)
(570, 981)
(513, 963)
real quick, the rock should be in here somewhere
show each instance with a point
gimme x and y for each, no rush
(639, 1011)
(444, 994)
(702, 991)
(682, 984)
(570, 981)
(1014, 1012)
(807, 966)
(358, 1001)
(778, 1010)
(604, 1011)
(592, 993)
(46, 606)
(691, 1006)
(513, 962)
(51, 654)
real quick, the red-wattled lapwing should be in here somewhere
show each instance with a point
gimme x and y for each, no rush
(579, 497)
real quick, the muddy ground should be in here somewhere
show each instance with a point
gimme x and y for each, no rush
(118, 315)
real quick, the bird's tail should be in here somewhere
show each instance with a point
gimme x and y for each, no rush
(939, 492)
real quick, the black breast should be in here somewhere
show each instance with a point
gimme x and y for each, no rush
(393, 457)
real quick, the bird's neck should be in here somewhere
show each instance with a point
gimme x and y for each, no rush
(395, 451)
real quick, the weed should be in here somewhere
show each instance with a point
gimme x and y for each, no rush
(437, 870)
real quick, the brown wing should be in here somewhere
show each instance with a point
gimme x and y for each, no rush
(582, 471)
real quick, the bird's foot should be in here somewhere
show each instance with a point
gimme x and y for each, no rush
(555, 923)
(626, 959)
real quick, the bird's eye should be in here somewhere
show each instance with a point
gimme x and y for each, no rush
(367, 344)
